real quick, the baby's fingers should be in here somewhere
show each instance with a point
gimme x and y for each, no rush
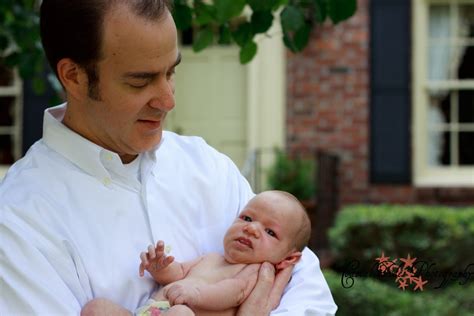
(151, 252)
(144, 258)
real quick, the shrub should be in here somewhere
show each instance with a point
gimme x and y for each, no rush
(294, 175)
(440, 236)
(371, 297)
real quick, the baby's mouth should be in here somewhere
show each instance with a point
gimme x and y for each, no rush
(245, 241)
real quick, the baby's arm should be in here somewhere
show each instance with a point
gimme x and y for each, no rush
(219, 296)
(161, 267)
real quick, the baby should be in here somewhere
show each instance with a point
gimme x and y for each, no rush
(273, 227)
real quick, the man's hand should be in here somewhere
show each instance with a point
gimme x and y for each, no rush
(155, 259)
(179, 294)
(267, 293)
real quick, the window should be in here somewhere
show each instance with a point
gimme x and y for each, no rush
(443, 71)
(10, 118)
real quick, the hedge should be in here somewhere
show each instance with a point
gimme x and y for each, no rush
(370, 297)
(442, 237)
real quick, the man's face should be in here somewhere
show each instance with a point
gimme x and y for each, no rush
(264, 231)
(136, 83)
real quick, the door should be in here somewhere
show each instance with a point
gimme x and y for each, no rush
(211, 100)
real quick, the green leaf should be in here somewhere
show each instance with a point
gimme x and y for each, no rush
(340, 10)
(248, 52)
(3, 42)
(288, 41)
(262, 5)
(243, 34)
(321, 10)
(204, 38)
(13, 59)
(261, 21)
(227, 9)
(39, 85)
(292, 18)
(205, 14)
(182, 16)
(301, 37)
(225, 36)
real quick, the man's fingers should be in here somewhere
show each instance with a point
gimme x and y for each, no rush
(141, 270)
(266, 276)
(281, 281)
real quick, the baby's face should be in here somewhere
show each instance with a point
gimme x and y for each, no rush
(264, 231)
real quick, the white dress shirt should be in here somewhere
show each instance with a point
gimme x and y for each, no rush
(74, 221)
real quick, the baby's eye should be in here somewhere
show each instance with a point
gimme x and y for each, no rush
(270, 232)
(246, 218)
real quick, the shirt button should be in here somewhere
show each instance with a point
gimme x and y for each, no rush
(107, 181)
(108, 156)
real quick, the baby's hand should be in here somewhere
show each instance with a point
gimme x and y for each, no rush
(178, 294)
(154, 259)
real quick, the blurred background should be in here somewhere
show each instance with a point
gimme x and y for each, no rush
(370, 125)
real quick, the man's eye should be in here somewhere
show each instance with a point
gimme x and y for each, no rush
(171, 73)
(138, 85)
(246, 218)
(270, 232)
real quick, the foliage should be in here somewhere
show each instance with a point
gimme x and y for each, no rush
(371, 297)
(20, 44)
(222, 19)
(295, 175)
(442, 237)
(216, 21)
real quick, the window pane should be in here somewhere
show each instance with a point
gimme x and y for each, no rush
(466, 28)
(6, 75)
(6, 154)
(6, 109)
(466, 106)
(439, 25)
(466, 148)
(435, 148)
(441, 61)
(464, 57)
(439, 110)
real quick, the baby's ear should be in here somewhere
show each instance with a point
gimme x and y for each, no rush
(291, 259)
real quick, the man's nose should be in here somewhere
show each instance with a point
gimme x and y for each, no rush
(163, 98)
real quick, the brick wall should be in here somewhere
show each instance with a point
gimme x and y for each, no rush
(328, 109)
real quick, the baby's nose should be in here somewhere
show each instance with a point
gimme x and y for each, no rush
(252, 229)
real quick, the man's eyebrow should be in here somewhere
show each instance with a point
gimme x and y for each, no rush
(147, 74)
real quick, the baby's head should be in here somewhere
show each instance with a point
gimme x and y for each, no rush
(272, 227)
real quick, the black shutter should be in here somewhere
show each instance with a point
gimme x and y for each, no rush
(390, 102)
(33, 111)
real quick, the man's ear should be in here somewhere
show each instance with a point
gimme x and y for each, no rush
(73, 78)
(291, 259)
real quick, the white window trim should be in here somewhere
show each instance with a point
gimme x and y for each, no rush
(423, 174)
(15, 130)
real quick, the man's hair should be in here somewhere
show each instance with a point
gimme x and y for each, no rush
(74, 29)
(303, 233)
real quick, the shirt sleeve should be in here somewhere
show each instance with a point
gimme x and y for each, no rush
(308, 292)
(36, 280)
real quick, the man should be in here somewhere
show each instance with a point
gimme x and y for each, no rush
(105, 173)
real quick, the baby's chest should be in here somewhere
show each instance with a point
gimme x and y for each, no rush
(211, 271)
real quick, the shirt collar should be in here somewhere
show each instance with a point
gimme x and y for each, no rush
(88, 156)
